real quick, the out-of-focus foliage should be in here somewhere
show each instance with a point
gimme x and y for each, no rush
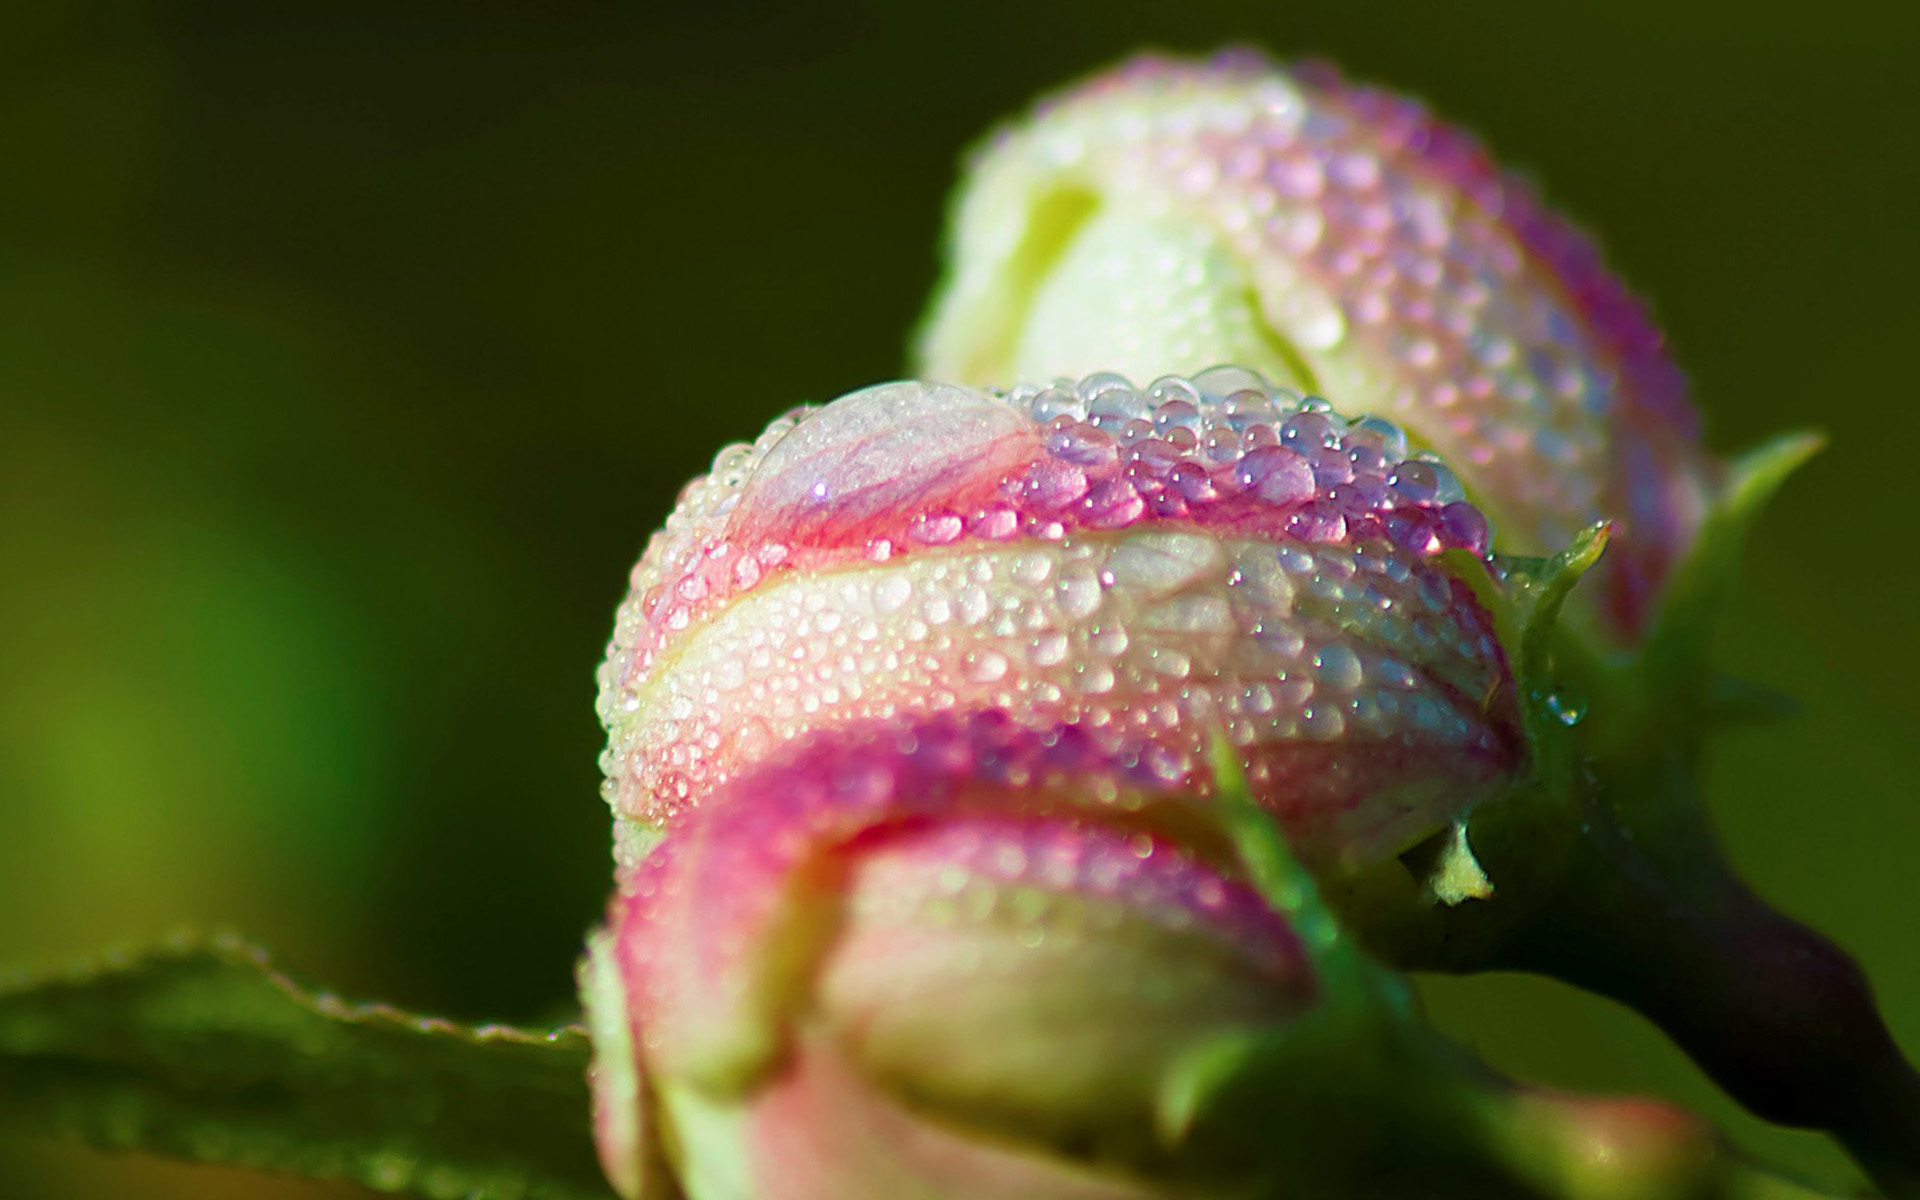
(348, 351)
(200, 1051)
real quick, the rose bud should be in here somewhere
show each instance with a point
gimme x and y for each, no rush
(914, 958)
(1168, 215)
(1145, 565)
(958, 957)
(1150, 566)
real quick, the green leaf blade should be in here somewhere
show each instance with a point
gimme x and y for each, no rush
(200, 1051)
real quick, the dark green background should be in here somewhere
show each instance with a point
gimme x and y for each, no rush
(349, 351)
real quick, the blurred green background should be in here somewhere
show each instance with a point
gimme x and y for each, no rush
(349, 350)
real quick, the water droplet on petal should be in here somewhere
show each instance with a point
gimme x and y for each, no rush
(1568, 706)
(986, 666)
(1078, 592)
(937, 528)
(1276, 475)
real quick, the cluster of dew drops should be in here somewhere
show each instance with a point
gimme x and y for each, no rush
(1226, 449)
(1228, 444)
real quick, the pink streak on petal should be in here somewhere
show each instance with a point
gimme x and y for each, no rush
(703, 922)
(912, 469)
(847, 474)
(1143, 873)
(1148, 640)
(715, 929)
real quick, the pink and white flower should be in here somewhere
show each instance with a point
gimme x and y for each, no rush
(910, 711)
(1169, 215)
(1149, 565)
(912, 960)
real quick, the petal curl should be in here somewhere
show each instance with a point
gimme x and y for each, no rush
(980, 936)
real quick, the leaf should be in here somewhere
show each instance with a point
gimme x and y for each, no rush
(1525, 596)
(1545, 591)
(1677, 643)
(1361, 1019)
(200, 1051)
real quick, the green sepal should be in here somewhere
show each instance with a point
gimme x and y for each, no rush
(1341, 1042)
(1316, 1106)
(1676, 647)
(1540, 588)
(1731, 700)
(198, 1050)
(1526, 596)
(1272, 870)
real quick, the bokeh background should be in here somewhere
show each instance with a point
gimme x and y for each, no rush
(349, 349)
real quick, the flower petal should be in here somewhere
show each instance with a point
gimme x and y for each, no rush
(980, 930)
(822, 1131)
(1172, 214)
(1044, 976)
(721, 926)
(1160, 564)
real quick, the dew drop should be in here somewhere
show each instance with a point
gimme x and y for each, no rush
(1082, 445)
(1247, 408)
(1056, 402)
(1322, 723)
(937, 528)
(1165, 762)
(1337, 667)
(997, 524)
(1192, 481)
(1114, 505)
(1054, 484)
(986, 666)
(1173, 387)
(1379, 434)
(1047, 649)
(1078, 592)
(1318, 522)
(1331, 465)
(1307, 431)
(1179, 413)
(1568, 706)
(892, 593)
(1465, 527)
(1030, 570)
(1218, 383)
(1414, 482)
(1171, 663)
(1111, 401)
(1276, 475)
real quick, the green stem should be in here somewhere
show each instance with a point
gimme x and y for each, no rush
(1365, 1061)
(1778, 1015)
